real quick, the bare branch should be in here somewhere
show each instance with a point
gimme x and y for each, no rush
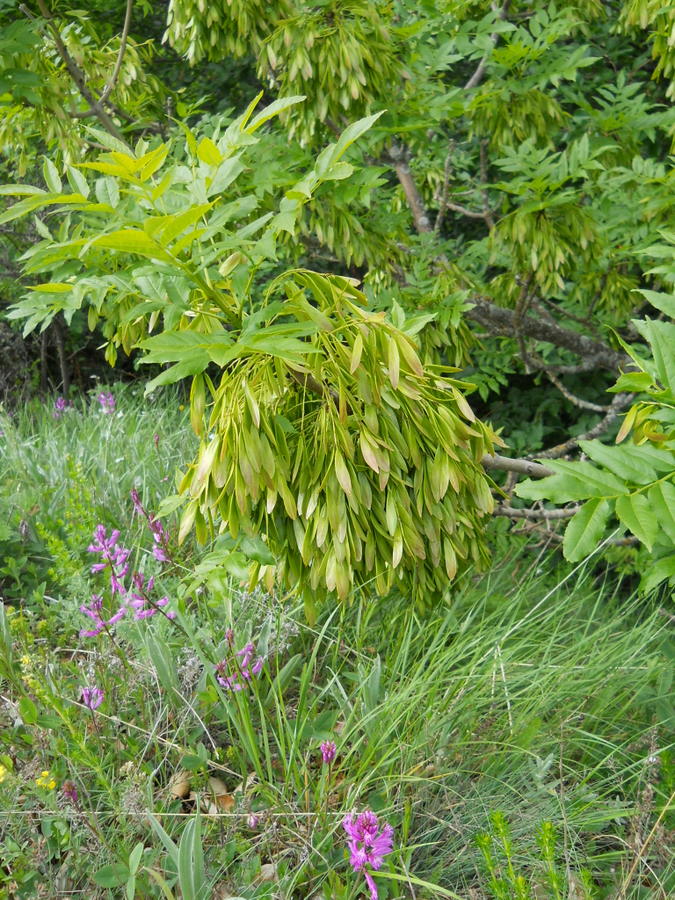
(477, 76)
(469, 213)
(105, 93)
(619, 402)
(521, 466)
(501, 321)
(484, 179)
(576, 401)
(400, 160)
(629, 541)
(512, 513)
(75, 72)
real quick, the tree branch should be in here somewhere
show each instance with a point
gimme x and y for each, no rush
(512, 513)
(76, 73)
(477, 76)
(521, 466)
(400, 160)
(619, 402)
(498, 320)
(105, 93)
(501, 321)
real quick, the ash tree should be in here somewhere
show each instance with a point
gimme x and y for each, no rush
(438, 199)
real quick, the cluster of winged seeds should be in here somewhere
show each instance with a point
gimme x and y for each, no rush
(356, 464)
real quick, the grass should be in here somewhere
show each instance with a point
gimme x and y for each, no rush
(519, 741)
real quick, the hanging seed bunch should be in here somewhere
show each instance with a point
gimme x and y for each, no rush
(213, 29)
(357, 465)
(349, 45)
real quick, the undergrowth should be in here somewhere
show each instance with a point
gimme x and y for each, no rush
(518, 740)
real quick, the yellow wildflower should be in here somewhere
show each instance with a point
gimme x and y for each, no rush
(46, 780)
(4, 772)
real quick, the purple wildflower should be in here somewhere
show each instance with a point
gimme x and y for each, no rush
(69, 791)
(92, 697)
(160, 535)
(112, 557)
(94, 613)
(140, 601)
(60, 406)
(241, 669)
(367, 845)
(328, 750)
(253, 821)
(107, 401)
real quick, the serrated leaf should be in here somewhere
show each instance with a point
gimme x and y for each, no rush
(572, 481)
(585, 529)
(278, 106)
(635, 512)
(208, 153)
(51, 176)
(630, 463)
(664, 302)
(657, 572)
(662, 499)
(28, 711)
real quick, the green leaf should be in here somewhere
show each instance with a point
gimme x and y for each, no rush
(112, 875)
(664, 302)
(191, 861)
(662, 499)
(131, 240)
(661, 338)
(77, 181)
(572, 481)
(632, 381)
(334, 152)
(20, 190)
(227, 172)
(30, 204)
(585, 529)
(51, 287)
(208, 153)
(162, 660)
(636, 513)
(135, 857)
(657, 572)
(28, 711)
(107, 140)
(278, 106)
(107, 191)
(628, 462)
(51, 176)
(164, 229)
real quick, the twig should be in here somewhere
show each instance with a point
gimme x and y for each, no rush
(512, 513)
(484, 180)
(618, 403)
(558, 538)
(105, 93)
(521, 466)
(400, 160)
(477, 76)
(502, 321)
(75, 72)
